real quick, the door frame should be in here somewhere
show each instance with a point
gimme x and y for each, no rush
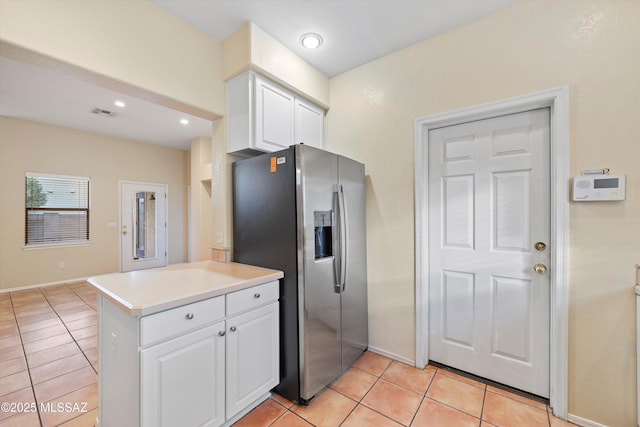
(557, 99)
(121, 183)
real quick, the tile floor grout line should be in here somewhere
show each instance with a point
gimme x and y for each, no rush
(358, 402)
(74, 341)
(484, 399)
(424, 396)
(398, 385)
(277, 418)
(350, 412)
(378, 378)
(24, 354)
(67, 328)
(79, 296)
(446, 404)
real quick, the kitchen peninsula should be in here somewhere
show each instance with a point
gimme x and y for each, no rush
(189, 344)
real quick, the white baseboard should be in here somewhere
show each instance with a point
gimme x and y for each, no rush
(42, 285)
(583, 421)
(390, 355)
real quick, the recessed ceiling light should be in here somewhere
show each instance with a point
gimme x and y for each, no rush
(120, 104)
(184, 122)
(311, 40)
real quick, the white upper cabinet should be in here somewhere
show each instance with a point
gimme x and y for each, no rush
(309, 124)
(274, 116)
(264, 117)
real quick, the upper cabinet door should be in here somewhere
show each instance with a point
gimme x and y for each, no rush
(265, 117)
(309, 124)
(274, 117)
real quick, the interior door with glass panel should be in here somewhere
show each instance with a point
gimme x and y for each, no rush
(143, 228)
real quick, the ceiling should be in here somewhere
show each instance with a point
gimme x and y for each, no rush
(47, 96)
(354, 32)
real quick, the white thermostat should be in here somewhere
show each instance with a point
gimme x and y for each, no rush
(594, 188)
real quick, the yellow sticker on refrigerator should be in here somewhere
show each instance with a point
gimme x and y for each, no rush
(273, 165)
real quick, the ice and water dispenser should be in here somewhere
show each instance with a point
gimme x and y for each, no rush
(322, 234)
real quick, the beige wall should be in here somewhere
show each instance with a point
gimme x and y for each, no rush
(201, 213)
(251, 48)
(592, 46)
(130, 41)
(32, 147)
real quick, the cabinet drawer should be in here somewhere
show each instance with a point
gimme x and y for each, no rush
(249, 298)
(156, 327)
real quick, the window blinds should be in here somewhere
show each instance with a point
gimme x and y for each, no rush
(56, 209)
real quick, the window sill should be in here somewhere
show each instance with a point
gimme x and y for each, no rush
(56, 245)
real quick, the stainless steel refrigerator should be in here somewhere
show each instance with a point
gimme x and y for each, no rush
(302, 211)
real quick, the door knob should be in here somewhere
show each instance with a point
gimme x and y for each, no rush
(540, 246)
(124, 232)
(540, 268)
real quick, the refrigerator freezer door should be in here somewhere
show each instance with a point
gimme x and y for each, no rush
(355, 330)
(265, 234)
(320, 336)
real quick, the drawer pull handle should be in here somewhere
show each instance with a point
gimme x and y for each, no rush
(189, 316)
(222, 333)
(232, 329)
(256, 295)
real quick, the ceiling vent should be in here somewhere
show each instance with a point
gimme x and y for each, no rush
(103, 112)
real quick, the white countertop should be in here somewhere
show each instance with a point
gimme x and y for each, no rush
(148, 291)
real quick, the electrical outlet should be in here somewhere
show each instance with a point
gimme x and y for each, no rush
(219, 236)
(61, 265)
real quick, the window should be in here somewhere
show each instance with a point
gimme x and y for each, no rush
(56, 210)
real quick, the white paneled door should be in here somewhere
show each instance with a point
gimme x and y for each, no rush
(143, 226)
(489, 231)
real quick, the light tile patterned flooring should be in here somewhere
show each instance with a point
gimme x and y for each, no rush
(378, 391)
(48, 355)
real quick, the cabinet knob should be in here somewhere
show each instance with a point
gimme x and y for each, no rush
(232, 329)
(256, 295)
(189, 316)
(222, 333)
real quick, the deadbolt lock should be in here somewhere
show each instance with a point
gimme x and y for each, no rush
(540, 246)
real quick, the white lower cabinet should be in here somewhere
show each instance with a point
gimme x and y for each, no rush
(183, 380)
(252, 357)
(201, 364)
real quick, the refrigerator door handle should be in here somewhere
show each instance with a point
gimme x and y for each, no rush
(343, 237)
(337, 256)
